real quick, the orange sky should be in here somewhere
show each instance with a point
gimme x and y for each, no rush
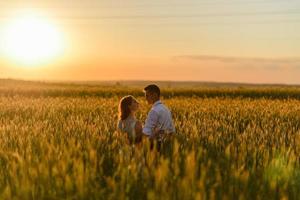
(218, 40)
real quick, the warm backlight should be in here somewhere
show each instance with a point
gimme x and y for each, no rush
(31, 40)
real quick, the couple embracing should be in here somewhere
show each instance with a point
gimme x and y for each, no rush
(159, 121)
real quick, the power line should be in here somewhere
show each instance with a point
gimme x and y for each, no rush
(213, 3)
(137, 5)
(118, 17)
(195, 24)
(121, 17)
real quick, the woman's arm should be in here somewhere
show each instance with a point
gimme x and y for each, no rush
(150, 123)
(139, 131)
(119, 125)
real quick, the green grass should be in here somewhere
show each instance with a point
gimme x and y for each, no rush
(58, 141)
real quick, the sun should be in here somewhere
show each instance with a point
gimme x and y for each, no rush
(31, 40)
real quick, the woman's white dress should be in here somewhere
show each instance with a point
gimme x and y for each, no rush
(128, 126)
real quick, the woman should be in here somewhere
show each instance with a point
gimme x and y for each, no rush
(127, 121)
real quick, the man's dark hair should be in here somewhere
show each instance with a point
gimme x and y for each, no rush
(153, 89)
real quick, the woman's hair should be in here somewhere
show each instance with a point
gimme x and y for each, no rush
(124, 110)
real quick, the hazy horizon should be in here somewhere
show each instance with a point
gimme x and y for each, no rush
(132, 82)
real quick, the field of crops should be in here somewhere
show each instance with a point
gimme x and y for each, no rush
(59, 141)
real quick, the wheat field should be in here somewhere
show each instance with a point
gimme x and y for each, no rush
(59, 141)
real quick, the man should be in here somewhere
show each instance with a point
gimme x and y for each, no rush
(159, 120)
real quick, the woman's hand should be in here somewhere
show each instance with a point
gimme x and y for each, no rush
(158, 133)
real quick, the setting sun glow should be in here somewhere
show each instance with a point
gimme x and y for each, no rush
(31, 40)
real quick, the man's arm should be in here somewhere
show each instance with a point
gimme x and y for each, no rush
(151, 123)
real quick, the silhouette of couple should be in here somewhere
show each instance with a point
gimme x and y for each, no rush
(159, 121)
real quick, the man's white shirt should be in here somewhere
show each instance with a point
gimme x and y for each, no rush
(160, 118)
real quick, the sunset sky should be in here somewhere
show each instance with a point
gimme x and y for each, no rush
(254, 41)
